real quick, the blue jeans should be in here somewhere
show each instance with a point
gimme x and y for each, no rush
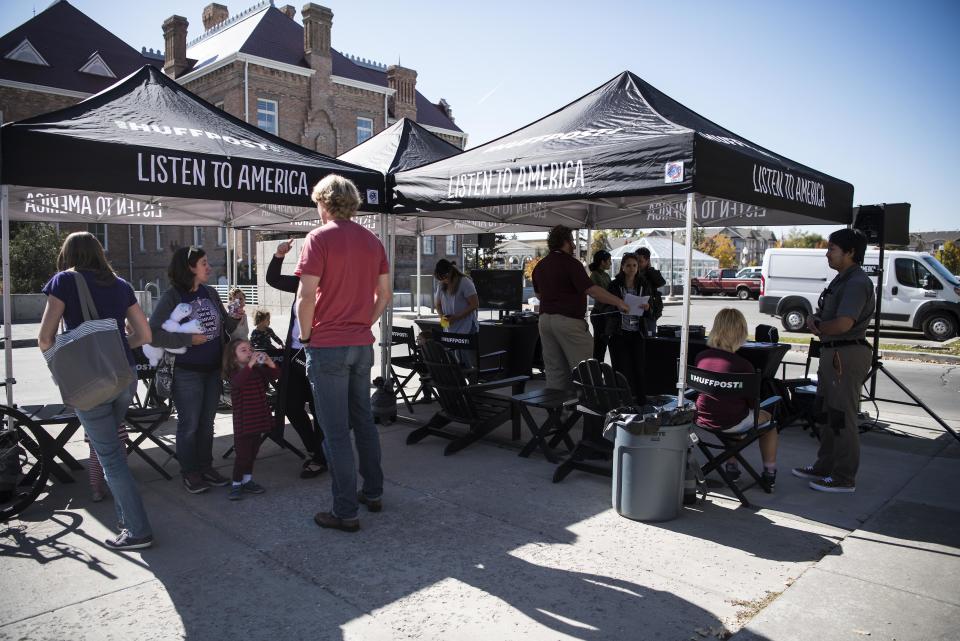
(100, 424)
(340, 378)
(196, 395)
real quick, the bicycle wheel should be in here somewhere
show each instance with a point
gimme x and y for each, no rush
(24, 463)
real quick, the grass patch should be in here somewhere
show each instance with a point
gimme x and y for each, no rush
(952, 349)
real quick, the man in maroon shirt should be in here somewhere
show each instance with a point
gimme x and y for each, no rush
(344, 287)
(561, 283)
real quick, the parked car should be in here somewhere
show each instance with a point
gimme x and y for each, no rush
(918, 291)
(726, 282)
(750, 272)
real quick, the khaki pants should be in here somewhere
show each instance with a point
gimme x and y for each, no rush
(839, 379)
(565, 341)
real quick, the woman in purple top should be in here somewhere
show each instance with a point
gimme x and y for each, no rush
(81, 256)
(196, 373)
(729, 414)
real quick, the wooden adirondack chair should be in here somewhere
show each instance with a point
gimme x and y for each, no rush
(461, 402)
(600, 390)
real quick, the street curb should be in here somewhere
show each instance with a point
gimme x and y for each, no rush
(899, 355)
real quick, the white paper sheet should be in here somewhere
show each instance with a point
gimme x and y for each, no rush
(636, 304)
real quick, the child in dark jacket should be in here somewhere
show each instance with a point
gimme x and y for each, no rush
(249, 373)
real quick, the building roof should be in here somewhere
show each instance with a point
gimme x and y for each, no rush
(931, 236)
(660, 250)
(67, 40)
(266, 32)
(747, 232)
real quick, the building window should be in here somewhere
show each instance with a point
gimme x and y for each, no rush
(364, 129)
(222, 236)
(100, 231)
(428, 245)
(198, 236)
(143, 246)
(451, 245)
(267, 115)
(159, 240)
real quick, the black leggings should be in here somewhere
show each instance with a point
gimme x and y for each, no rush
(298, 393)
(627, 351)
(599, 337)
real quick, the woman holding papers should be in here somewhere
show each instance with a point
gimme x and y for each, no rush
(626, 329)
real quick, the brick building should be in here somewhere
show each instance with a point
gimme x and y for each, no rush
(260, 65)
(54, 60)
(264, 67)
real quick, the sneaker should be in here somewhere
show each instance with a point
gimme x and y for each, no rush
(806, 472)
(236, 493)
(770, 478)
(214, 478)
(312, 468)
(252, 487)
(373, 505)
(195, 484)
(125, 541)
(732, 470)
(328, 520)
(830, 484)
(97, 496)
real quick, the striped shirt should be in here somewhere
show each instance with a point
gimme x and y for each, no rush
(248, 393)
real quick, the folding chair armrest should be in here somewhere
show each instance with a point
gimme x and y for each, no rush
(499, 352)
(797, 382)
(690, 393)
(767, 402)
(503, 382)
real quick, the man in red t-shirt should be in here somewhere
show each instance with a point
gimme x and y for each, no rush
(344, 288)
(561, 283)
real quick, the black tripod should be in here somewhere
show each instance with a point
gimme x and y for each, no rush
(876, 366)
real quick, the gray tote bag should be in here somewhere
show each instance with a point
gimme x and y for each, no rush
(89, 363)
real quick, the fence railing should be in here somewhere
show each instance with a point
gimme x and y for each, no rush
(250, 291)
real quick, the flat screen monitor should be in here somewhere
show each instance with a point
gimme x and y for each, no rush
(499, 288)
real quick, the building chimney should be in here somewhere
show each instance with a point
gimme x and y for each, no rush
(175, 46)
(289, 10)
(403, 81)
(317, 24)
(447, 110)
(214, 14)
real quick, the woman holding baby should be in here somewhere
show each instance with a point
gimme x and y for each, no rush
(196, 377)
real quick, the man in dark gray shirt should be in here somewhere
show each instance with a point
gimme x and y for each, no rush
(841, 321)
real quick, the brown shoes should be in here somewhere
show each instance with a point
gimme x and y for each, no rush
(373, 505)
(328, 520)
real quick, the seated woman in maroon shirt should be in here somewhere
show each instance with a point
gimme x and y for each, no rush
(732, 415)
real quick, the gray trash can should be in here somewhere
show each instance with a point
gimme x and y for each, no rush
(649, 465)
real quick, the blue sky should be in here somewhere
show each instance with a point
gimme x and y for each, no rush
(864, 91)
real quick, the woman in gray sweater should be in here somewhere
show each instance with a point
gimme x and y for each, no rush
(196, 377)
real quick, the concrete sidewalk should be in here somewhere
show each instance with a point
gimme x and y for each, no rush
(481, 545)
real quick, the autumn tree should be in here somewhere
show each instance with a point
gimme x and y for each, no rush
(598, 242)
(721, 248)
(950, 256)
(528, 267)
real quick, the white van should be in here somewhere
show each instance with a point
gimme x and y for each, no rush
(918, 292)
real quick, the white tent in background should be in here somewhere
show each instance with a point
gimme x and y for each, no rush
(661, 253)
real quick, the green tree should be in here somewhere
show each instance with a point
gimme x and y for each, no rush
(803, 240)
(33, 255)
(950, 256)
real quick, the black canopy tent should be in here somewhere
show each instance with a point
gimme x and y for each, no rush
(401, 146)
(147, 151)
(625, 156)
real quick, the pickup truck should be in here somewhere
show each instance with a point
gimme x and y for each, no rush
(725, 281)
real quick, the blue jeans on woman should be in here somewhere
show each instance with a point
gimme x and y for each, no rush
(339, 374)
(196, 395)
(100, 424)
